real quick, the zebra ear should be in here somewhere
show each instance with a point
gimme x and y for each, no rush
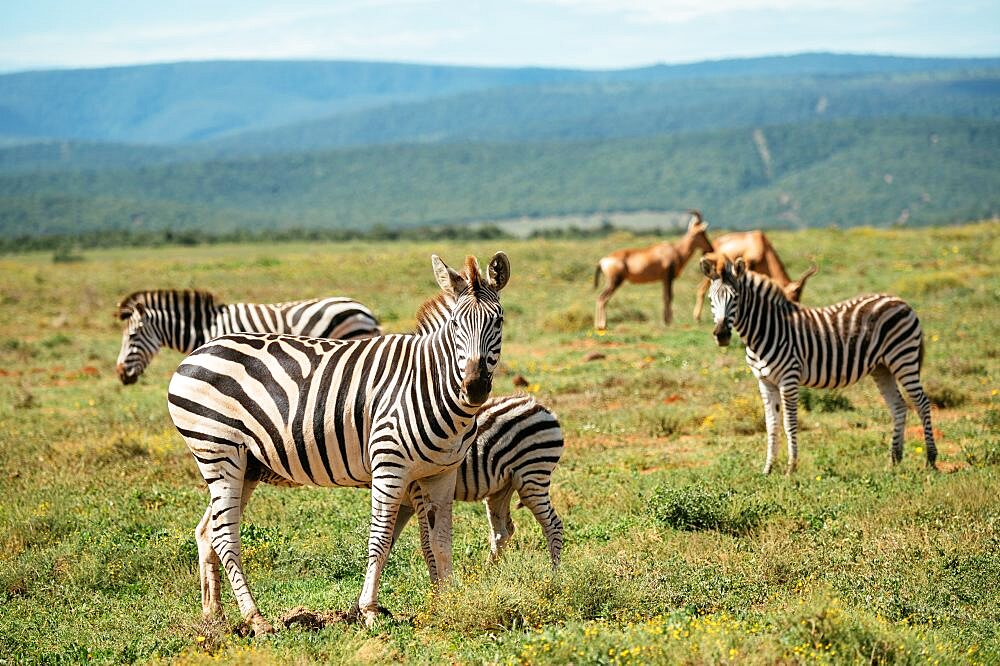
(739, 267)
(498, 271)
(708, 268)
(450, 281)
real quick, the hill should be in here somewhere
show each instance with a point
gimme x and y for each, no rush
(191, 102)
(850, 172)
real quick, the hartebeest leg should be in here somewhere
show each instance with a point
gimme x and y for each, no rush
(699, 300)
(668, 297)
(600, 317)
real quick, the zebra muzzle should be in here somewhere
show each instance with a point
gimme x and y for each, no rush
(478, 381)
(124, 375)
(723, 334)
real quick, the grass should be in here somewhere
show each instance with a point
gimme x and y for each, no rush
(677, 549)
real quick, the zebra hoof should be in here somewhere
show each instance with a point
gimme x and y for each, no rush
(368, 616)
(258, 626)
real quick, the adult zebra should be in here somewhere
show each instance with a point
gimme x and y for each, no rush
(394, 412)
(788, 346)
(186, 319)
(518, 444)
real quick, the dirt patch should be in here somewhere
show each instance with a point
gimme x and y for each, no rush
(308, 619)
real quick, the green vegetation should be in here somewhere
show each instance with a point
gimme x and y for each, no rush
(845, 173)
(677, 549)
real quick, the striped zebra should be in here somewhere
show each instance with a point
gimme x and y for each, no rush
(396, 413)
(788, 346)
(186, 319)
(518, 445)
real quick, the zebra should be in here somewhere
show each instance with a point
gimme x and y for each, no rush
(518, 444)
(186, 319)
(396, 413)
(788, 346)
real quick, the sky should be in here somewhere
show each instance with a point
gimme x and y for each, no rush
(592, 34)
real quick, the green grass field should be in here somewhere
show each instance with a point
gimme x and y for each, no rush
(677, 549)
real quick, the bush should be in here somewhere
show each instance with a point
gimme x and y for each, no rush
(696, 508)
(827, 401)
(945, 396)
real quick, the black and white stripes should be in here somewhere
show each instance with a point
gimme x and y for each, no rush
(517, 447)
(186, 319)
(788, 346)
(395, 412)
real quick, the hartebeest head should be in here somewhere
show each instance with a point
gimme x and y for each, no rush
(695, 236)
(794, 289)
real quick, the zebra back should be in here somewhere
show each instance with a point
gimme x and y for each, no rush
(186, 319)
(518, 441)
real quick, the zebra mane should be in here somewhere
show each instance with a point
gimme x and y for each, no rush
(156, 296)
(433, 312)
(770, 290)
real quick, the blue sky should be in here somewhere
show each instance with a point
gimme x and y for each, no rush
(574, 33)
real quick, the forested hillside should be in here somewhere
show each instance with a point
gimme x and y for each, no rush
(845, 173)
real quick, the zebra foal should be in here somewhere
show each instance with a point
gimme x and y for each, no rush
(186, 319)
(788, 346)
(396, 413)
(517, 447)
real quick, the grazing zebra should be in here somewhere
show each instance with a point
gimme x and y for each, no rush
(186, 319)
(788, 346)
(517, 447)
(396, 413)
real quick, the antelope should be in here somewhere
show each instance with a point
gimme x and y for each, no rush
(759, 256)
(662, 261)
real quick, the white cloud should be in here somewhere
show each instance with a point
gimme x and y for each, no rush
(682, 11)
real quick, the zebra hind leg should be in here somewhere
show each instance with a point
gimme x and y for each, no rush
(911, 384)
(501, 524)
(536, 497)
(208, 569)
(886, 383)
(790, 400)
(230, 490)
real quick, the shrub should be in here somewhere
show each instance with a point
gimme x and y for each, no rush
(945, 396)
(696, 508)
(824, 401)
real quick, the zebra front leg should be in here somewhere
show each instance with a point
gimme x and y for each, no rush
(539, 502)
(385, 508)
(772, 408)
(420, 507)
(439, 494)
(886, 383)
(501, 525)
(790, 399)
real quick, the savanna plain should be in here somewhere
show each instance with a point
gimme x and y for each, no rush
(677, 549)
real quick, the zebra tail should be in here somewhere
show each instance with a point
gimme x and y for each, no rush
(920, 355)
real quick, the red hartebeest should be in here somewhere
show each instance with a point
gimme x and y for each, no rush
(663, 261)
(760, 257)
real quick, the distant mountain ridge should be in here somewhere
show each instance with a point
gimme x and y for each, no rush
(199, 101)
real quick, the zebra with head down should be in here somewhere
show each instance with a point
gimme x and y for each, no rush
(186, 319)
